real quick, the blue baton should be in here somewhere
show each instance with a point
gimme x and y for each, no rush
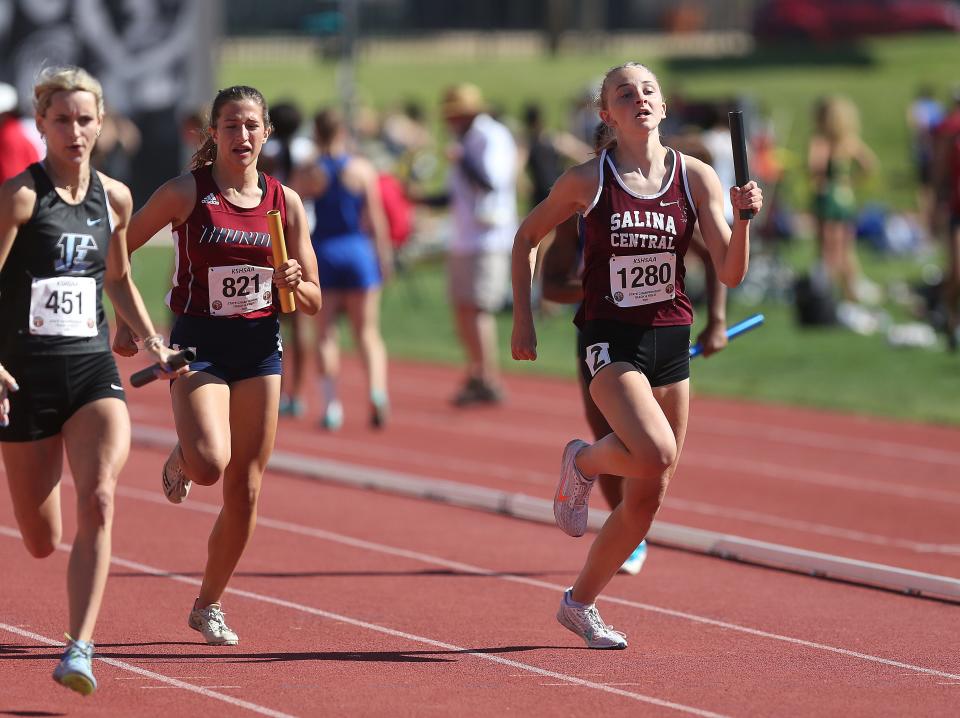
(736, 330)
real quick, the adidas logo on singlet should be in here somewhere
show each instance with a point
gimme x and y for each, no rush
(210, 199)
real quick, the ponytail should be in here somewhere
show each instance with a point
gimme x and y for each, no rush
(205, 155)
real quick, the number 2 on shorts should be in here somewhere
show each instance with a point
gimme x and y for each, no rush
(598, 356)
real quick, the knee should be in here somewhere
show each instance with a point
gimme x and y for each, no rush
(657, 459)
(96, 508)
(205, 466)
(41, 546)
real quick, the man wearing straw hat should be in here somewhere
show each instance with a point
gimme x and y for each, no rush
(482, 187)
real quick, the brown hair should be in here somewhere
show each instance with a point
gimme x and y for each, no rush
(65, 78)
(237, 93)
(326, 124)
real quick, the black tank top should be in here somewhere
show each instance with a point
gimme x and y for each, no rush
(51, 285)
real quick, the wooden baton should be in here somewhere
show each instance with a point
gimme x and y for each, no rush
(279, 247)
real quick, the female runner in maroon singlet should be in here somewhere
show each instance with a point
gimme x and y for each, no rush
(639, 201)
(226, 407)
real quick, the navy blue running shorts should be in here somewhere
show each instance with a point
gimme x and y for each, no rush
(231, 349)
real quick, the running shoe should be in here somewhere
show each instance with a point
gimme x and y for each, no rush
(585, 621)
(634, 561)
(570, 502)
(176, 485)
(212, 624)
(75, 670)
(379, 414)
(477, 391)
(292, 407)
(332, 419)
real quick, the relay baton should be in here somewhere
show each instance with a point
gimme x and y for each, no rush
(736, 330)
(279, 247)
(145, 376)
(738, 138)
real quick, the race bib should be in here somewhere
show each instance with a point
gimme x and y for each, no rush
(239, 289)
(63, 307)
(642, 279)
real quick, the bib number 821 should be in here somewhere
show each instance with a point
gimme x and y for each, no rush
(241, 286)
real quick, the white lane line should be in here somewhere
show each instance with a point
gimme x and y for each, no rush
(283, 603)
(365, 545)
(783, 472)
(123, 665)
(834, 442)
(707, 509)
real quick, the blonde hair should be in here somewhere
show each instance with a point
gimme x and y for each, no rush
(64, 78)
(840, 119)
(237, 93)
(600, 99)
(608, 139)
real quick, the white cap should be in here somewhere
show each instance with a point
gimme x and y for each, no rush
(8, 97)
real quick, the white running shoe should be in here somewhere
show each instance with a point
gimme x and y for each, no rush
(585, 621)
(573, 492)
(212, 624)
(176, 485)
(634, 561)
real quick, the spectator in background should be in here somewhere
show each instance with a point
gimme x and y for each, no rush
(548, 153)
(947, 184)
(17, 152)
(352, 242)
(116, 147)
(716, 139)
(835, 155)
(280, 153)
(924, 114)
(482, 194)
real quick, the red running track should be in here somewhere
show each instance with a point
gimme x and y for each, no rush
(359, 603)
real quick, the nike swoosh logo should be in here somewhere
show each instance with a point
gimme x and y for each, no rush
(562, 497)
(92, 222)
(667, 204)
(116, 388)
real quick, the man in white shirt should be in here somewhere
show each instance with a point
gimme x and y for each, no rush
(482, 193)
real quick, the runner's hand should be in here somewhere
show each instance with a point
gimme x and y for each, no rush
(163, 354)
(288, 275)
(523, 342)
(125, 341)
(7, 385)
(713, 338)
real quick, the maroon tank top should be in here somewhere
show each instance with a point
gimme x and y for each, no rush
(633, 270)
(222, 265)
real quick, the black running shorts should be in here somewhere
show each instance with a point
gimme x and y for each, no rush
(53, 388)
(662, 354)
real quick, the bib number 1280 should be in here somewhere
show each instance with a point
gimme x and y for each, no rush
(638, 276)
(641, 279)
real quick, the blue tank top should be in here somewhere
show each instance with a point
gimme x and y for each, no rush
(338, 210)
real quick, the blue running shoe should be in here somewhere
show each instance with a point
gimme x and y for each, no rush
(634, 561)
(75, 670)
